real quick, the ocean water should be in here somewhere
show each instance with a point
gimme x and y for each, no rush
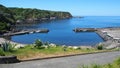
(61, 31)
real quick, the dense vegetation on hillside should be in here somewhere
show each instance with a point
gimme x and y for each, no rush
(6, 19)
(21, 13)
(9, 16)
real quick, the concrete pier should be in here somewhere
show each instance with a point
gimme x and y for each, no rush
(27, 32)
(84, 30)
(110, 35)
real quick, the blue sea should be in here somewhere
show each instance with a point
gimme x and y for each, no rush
(61, 31)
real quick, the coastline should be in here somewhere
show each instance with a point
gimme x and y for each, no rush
(110, 39)
(105, 33)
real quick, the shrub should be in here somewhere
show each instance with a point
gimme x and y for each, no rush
(96, 66)
(79, 48)
(38, 43)
(11, 47)
(88, 49)
(84, 66)
(117, 61)
(116, 64)
(100, 47)
(7, 46)
(46, 43)
(109, 66)
(64, 48)
(92, 66)
(2, 52)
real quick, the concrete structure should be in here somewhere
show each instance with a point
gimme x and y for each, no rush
(27, 32)
(110, 35)
(8, 59)
(84, 29)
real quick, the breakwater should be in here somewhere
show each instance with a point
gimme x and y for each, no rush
(84, 29)
(26, 32)
(105, 33)
(111, 36)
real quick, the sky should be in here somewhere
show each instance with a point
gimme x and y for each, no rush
(75, 7)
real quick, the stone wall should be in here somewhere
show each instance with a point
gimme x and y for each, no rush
(8, 59)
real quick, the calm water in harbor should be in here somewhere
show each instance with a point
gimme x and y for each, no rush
(61, 30)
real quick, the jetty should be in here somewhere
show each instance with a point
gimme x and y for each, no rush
(111, 36)
(27, 31)
(84, 29)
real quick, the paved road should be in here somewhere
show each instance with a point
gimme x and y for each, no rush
(67, 62)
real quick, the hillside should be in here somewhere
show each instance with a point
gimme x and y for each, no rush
(9, 16)
(37, 14)
(6, 19)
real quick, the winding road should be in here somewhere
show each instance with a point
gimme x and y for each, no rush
(67, 62)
